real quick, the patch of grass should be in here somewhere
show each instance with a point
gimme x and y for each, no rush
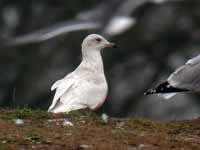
(8, 117)
(3, 146)
(175, 125)
(82, 113)
(175, 128)
(32, 137)
(144, 122)
(24, 113)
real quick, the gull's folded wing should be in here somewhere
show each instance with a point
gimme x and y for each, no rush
(62, 86)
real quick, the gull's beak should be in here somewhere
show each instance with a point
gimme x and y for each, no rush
(111, 45)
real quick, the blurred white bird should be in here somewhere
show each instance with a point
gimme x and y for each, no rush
(185, 79)
(112, 18)
(52, 32)
(86, 86)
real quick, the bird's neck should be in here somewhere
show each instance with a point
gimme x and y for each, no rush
(92, 60)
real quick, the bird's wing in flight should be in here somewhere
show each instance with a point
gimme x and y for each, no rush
(188, 75)
(122, 18)
(54, 31)
(61, 86)
(118, 25)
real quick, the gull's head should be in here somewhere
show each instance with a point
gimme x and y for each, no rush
(96, 42)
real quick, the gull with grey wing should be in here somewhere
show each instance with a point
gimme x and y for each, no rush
(185, 79)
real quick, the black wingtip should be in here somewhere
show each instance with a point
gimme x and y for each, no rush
(150, 91)
(164, 87)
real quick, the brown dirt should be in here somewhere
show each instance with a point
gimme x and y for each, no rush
(91, 133)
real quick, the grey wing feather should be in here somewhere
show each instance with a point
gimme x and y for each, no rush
(188, 75)
(193, 60)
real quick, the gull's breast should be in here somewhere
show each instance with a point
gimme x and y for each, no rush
(96, 92)
(92, 85)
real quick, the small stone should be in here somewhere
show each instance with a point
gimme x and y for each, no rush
(33, 147)
(83, 121)
(104, 117)
(18, 121)
(85, 147)
(141, 145)
(56, 120)
(120, 125)
(57, 136)
(4, 142)
(67, 123)
(68, 134)
(47, 142)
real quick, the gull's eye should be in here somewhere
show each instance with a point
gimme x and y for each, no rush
(98, 39)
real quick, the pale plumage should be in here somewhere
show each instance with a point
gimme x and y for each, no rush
(185, 79)
(86, 86)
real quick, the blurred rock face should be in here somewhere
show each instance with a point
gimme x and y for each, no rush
(163, 37)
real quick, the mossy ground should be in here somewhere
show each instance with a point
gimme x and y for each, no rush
(91, 133)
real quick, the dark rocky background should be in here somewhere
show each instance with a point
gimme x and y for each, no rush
(164, 35)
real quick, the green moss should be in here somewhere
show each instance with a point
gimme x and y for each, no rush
(23, 114)
(8, 116)
(3, 146)
(33, 137)
(82, 113)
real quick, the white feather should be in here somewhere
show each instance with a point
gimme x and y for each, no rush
(62, 87)
(167, 95)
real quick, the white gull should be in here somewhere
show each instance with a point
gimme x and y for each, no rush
(86, 86)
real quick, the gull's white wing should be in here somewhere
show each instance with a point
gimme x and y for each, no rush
(122, 18)
(51, 32)
(61, 86)
(70, 95)
(187, 76)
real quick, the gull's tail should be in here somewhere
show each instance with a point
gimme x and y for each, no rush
(165, 90)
